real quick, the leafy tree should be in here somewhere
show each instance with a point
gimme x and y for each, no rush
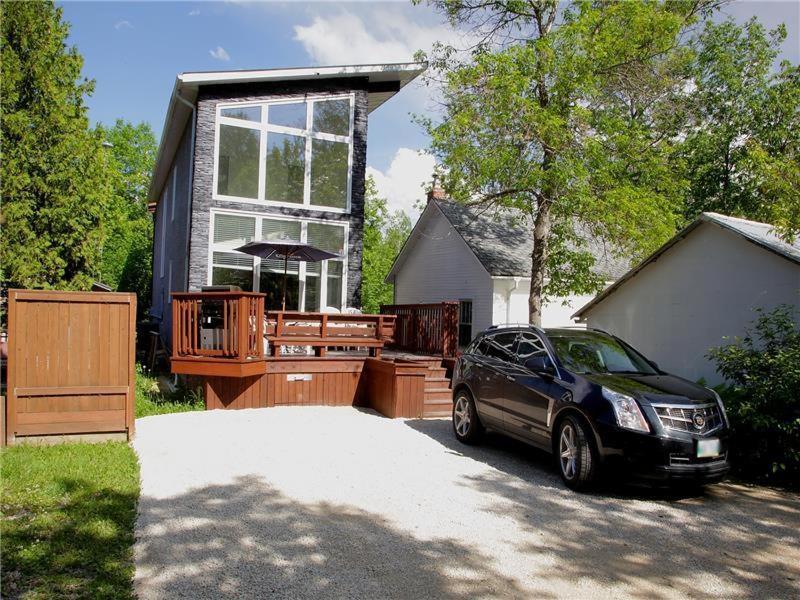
(567, 114)
(126, 263)
(384, 236)
(743, 146)
(763, 398)
(54, 177)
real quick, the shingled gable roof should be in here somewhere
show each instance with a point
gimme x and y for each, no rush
(501, 243)
(760, 234)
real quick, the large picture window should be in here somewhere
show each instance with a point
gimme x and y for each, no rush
(291, 152)
(310, 286)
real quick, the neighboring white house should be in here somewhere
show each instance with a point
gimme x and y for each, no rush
(697, 289)
(482, 259)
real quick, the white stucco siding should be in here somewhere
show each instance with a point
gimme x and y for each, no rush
(510, 304)
(703, 289)
(440, 266)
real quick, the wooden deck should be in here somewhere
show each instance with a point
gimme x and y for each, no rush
(246, 358)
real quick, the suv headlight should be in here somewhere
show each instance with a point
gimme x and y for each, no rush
(627, 411)
(721, 407)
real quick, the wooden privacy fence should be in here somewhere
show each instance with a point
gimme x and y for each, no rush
(70, 363)
(425, 328)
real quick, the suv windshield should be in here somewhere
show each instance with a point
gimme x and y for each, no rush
(590, 352)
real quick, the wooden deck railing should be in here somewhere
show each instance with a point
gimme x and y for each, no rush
(232, 326)
(323, 330)
(425, 328)
(227, 325)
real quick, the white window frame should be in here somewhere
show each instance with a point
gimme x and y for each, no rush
(304, 221)
(264, 127)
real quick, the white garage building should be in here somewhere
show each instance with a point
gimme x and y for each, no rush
(697, 289)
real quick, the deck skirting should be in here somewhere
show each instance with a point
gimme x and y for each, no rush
(394, 388)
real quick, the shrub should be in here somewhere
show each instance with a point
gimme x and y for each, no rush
(763, 396)
(150, 400)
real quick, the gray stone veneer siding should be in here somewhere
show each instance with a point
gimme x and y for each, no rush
(203, 200)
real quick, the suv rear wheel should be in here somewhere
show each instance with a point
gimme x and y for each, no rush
(577, 460)
(466, 424)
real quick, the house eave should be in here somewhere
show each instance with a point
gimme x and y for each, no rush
(383, 81)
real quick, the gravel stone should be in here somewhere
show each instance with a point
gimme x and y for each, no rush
(322, 502)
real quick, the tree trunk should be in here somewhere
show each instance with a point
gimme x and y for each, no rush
(541, 233)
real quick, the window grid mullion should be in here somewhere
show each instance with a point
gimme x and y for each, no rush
(262, 156)
(323, 285)
(240, 122)
(307, 171)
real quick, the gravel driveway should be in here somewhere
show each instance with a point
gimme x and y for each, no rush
(317, 502)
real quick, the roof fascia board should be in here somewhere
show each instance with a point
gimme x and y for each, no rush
(749, 238)
(406, 249)
(214, 77)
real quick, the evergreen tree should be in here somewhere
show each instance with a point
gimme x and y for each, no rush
(54, 177)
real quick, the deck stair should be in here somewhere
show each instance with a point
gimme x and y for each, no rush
(438, 396)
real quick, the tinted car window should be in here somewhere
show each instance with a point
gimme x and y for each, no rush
(589, 352)
(501, 346)
(528, 346)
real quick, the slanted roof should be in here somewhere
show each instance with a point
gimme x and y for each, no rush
(383, 82)
(503, 243)
(760, 234)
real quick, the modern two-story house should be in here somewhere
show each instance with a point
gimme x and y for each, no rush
(265, 154)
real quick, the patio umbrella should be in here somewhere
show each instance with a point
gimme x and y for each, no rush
(286, 249)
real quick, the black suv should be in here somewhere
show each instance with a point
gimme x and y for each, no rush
(590, 399)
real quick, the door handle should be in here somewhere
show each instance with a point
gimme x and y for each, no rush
(510, 377)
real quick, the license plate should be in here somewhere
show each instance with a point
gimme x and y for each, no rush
(707, 448)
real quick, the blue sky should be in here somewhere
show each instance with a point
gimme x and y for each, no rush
(135, 49)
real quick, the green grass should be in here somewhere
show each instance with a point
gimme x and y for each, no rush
(151, 401)
(68, 517)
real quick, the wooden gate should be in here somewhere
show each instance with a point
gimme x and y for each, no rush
(71, 363)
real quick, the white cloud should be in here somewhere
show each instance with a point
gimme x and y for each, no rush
(388, 36)
(123, 25)
(403, 182)
(194, 12)
(220, 53)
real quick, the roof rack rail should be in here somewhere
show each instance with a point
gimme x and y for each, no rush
(512, 325)
(582, 328)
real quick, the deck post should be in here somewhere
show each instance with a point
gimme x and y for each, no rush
(243, 324)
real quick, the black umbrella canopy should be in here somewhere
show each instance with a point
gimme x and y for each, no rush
(286, 249)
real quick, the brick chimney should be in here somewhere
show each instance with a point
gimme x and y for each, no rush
(436, 192)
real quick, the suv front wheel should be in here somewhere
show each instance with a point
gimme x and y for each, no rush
(577, 460)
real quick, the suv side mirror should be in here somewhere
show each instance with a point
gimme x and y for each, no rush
(542, 366)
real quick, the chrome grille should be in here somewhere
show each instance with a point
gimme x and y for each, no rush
(702, 419)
